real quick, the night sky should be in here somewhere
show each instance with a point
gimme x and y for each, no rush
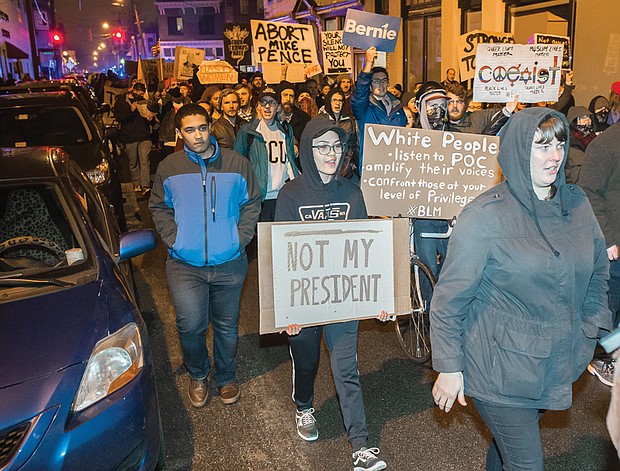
(78, 16)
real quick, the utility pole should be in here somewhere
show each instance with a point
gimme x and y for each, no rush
(140, 38)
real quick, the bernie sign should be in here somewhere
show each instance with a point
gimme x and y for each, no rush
(364, 30)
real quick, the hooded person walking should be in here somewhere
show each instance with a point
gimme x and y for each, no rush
(320, 193)
(522, 294)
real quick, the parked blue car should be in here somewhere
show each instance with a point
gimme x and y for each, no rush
(77, 386)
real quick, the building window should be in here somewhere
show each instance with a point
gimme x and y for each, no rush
(206, 25)
(175, 25)
(219, 51)
(244, 7)
(331, 24)
(168, 52)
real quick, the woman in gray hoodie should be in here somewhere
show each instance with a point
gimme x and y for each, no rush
(522, 294)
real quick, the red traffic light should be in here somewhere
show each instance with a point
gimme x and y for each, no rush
(56, 38)
(118, 35)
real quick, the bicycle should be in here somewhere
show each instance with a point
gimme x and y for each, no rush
(413, 330)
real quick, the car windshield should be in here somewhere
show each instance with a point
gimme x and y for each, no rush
(38, 234)
(42, 126)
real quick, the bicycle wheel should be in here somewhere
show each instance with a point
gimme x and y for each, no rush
(413, 331)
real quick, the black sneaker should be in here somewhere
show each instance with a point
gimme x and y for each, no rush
(365, 459)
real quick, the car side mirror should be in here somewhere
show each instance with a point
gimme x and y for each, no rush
(136, 243)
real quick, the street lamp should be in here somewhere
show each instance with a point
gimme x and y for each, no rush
(101, 46)
(105, 25)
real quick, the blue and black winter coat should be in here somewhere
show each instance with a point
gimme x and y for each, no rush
(205, 209)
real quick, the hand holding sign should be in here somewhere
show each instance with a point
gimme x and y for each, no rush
(371, 57)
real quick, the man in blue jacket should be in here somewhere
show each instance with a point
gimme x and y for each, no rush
(371, 102)
(205, 203)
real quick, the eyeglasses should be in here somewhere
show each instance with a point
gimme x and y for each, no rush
(326, 149)
(456, 102)
(337, 100)
(380, 81)
(269, 103)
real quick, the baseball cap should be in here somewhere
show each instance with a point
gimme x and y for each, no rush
(268, 91)
(616, 87)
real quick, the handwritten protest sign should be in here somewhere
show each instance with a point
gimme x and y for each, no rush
(364, 30)
(553, 39)
(466, 47)
(531, 71)
(284, 43)
(185, 58)
(210, 72)
(337, 57)
(315, 273)
(237, 41)
(424, 173)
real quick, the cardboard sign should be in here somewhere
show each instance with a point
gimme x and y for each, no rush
(466, 48)
(337, 57)
(215, 72)
(364, 30)
(110, 94)
(237, 43)
(530, 71)
(553, 39)
(185, 58)
(151, 69)
(315, 273)
(283, 43)
(423, 173)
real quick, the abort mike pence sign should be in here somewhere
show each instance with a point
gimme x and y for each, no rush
(420, 173)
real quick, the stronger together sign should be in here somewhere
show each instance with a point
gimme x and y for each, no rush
(423, 173)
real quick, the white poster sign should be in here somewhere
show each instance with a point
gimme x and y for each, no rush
(530, 71)
(332, 271)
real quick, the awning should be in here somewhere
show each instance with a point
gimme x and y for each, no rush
(13, 52)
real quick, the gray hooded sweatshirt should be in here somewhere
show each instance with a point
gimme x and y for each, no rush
(522, 294)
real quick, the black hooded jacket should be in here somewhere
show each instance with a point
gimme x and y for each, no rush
(307, 198)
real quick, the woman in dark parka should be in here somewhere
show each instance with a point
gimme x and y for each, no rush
(522, 295)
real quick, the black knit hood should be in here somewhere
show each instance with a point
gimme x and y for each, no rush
(514, 159)
(314, 129)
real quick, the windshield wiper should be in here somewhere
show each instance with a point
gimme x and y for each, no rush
(33, 281)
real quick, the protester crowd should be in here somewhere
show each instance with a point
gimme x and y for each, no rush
(254, 151)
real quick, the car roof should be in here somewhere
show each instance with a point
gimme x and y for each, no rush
(39, 97)
(32, 163)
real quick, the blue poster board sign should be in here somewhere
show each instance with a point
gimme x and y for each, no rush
(364, 30)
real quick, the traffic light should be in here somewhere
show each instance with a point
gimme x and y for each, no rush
(118, 35)
(57, 38)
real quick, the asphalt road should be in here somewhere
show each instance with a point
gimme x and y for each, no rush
(258, 433)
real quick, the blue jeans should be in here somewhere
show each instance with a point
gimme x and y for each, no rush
(341, 340)
(203, 296)
(139, 162)
(516, 444)
(430, 250)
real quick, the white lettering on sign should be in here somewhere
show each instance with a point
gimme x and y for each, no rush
(381, 32)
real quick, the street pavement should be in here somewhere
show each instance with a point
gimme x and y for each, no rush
(258, 433)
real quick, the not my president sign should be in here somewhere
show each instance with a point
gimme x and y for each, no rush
(323, 272)
(428, 174)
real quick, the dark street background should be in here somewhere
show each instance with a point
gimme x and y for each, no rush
(258, 433)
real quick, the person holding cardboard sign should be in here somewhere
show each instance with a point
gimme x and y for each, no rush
(320, 193)
(522, 294)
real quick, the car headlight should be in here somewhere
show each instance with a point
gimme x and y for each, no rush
(115, 361)
(100, 173)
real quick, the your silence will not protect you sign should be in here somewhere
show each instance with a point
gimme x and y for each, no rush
(314, 273)
(420, 173)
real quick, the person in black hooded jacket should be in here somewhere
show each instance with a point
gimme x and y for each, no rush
(321, 193)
